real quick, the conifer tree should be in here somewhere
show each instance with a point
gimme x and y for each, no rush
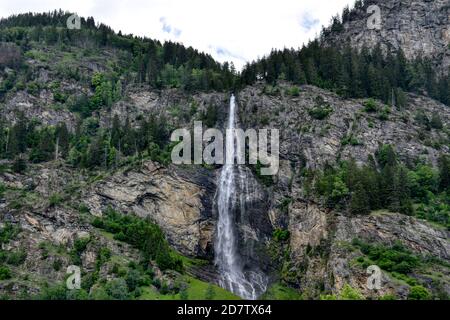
(17, 140)
(116, 133)
(359, 203)
(63, 138)
(444, 172)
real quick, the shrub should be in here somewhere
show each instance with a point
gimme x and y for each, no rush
(142, 234)
(320, 113)
(349, 293)
(59, 97)
(33, 88)
(57, 264)
(293, 91)
(55, 199)
(281, 235)
(422, 119)
(16, 258)
(271, 90)
(5, 273)
(57, 292)
(133, 279)
(77, 295)
(117, 289)
(8, 232)
(370, 106)
(78, 248)
(394, 259)
(436, 122)
(19, 165)
(419, 293)
(350, 140)
(384, 114)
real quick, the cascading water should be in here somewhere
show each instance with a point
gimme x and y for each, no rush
(232, 188)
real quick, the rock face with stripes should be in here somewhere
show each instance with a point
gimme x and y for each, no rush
(419, 28)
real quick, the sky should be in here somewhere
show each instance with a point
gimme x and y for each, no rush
(229, 30)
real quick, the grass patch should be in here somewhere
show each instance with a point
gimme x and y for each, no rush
(281, 292)
(195, 290)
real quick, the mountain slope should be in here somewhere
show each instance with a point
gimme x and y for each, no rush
(86, 178)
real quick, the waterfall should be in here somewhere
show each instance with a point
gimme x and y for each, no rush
(231, 191)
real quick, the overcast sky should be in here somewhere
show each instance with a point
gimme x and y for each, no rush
(231, 30)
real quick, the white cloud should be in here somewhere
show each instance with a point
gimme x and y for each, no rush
(234, 30)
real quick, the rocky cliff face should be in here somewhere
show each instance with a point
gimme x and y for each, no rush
(420, 28)
(386, 229)
(182, 199)
(321, 254)
(304, 138)
(54, 204)
(178, 201)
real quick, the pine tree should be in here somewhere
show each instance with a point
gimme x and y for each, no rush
(17, 140)
(444, 172)
(399, 198)
(128, 143)
(400, 98)
(63, 138)
(371, 183)
(116, 133)
(19, 165)
(95, 154)
(359, 203)
(436, 122)
(45, 148)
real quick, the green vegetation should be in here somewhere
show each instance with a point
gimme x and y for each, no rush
(347, 293)
(419, 293)
(15, 258)
(384, 183)
(89, 147)
(79, 247)
(280, 292)
(8, 232)
(143, 235)
(395, 259)
(370, 106)
(404, 266)
(194, 290)
(320, 113)
(350, 140)
(293, 91)
(5, 273)
(281, 235)
(351, 72)
(272, 90)
(159, 65)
